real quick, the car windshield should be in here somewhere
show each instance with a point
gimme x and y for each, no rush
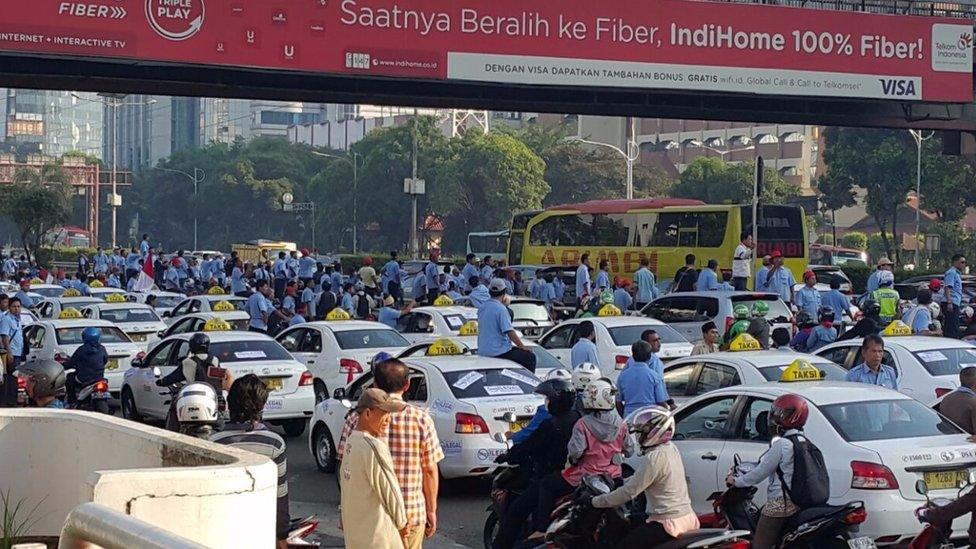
(129, 315)
(454, 322)
(248, 351)
(239, 304)
(369, 339)
(626, 335)
(529, 311)
(49, 292)
(833, 371)
(778, 311)
(886, 420)
(545, 359)
(842, 257)
(945, 362)
(826, 277)
(495, 382)
(168, 302)
(72, 336)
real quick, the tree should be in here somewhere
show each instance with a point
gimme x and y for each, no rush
(37, 202)
(835, 193)
(856, 240)
(577, 174)
(713, 181)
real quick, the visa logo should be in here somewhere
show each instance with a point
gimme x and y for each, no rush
(891, 86)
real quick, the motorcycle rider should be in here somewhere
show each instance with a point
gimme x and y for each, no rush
(88, 362)
(196, 410)
(824, 333)
(44, 382)
(741, 314)
(787, 416)
(193, 369)
(870, 323)
(759, 326)
(542, 412)
(582, 376)
(661, 476)
(544, 451)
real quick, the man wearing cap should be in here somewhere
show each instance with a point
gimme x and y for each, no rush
(780, 280)
(496, 336)
(389, 314)
(808, 298)
(762, 273)
(884, 264)
(371, 506)
(741, 259)
(709, 342)
(26, 300)
(621, 295)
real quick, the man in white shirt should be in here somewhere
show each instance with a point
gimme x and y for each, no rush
(741, 260)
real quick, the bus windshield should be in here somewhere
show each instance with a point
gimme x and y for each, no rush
(488, 243)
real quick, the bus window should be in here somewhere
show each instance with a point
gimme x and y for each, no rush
(780, 228)
(690, 229)
(604, 230)
(515, 242)
(488, 243)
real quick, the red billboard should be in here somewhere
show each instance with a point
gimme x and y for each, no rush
(664, 44)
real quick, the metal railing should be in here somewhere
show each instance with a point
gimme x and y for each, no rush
(91, 523)
(965, 9)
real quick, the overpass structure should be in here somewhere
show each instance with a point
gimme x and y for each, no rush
(898, 63)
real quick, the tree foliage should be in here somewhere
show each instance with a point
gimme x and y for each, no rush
(716, 182)
(36, 202)
(854, 239)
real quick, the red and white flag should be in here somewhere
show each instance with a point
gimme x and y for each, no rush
(145, 281)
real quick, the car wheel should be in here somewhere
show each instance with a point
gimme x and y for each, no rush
(321, 391)
(324, 449)
(294, 427)
(129, 410)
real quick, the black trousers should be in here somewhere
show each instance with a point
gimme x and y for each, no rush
(551, 488)
(650, 534)
(739, 283)
(279, 288)
(942, 517)
(525, 358)
(511, 524)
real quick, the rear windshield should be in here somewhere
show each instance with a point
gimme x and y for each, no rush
(529, 311)
(239, 304)
(886, 420)
(833, 371)
(129, 315)
(168, 302)
(239, 325)
(626, 335)
(945, 362)
(110, 334)
(369, 339)
(486, 383)
(248, 351)
(778, 311)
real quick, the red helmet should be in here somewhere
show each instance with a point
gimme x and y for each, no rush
(367, 261)
(789, 412)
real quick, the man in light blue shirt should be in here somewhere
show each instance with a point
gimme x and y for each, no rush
(952, 286)
(12, 340)
(761, 274)
(646, 284)
(113, 279)
(639, 384)
(837, 301)
(780, 280)
(292, 264)
(279, 271)
(884, 264)
(432, 278)
(259, 307)
(496, 336)
(470, 270)
(707, 278)
(306, 267)
(25, 300)
(487, 270)
(583, 278)
(348, 303)
(144, 246)
(808, 297)
(238, 286)
(538, 283)
(172, 278)
(621, 297)
(389, 314)
(548, 293)
(558, 287)
(585, 349)
(101, 261)
(602, 276)
(872, 371)
(308, 298)
(479, 293)
(390, 277)
(335, 279)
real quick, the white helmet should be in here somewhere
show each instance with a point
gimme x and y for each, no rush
(197, 403)
(885, 278)
(584, 374)
(653, 426)
(600, 395)
(559, 373)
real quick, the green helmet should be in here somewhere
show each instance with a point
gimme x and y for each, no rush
(760, 309)
(740, 311)
(739, 327)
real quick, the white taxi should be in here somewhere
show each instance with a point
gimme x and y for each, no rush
(467, 397)
(47, 290)
(193, 322)
(290, 397)
(431, 323)
(102, 292)
(138, 320)
(545, 362)
(876, 443)
(927, 367)
(52, 306)
(165, 301)
(204, 303)
(59, 339)
(339, 351)
(614, 336)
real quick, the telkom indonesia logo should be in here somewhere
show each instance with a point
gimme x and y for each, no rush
(175, 19)
(965, 40)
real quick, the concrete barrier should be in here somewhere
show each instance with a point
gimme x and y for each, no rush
(214, 495)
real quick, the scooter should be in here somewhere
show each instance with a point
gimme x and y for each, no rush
(931, 536)
(814, 528)
(299, 529)
(507, 485)
(93, 396)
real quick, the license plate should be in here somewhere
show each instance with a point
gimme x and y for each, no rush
(137, 337)
(861, 543)
(273, 383)
(518, 425)
(944, 480)
(113, 364)
(274, 404)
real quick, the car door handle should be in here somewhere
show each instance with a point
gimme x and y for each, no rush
(709, 456)
(309, 362)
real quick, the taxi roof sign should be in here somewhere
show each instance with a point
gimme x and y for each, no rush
(36, 280)
(338, 314)
(70, 312)
(609, 310)
(897, 328)
(96, 284)
(745, 342)
(217, 324)
(71, 292)
(444, 347)
(223, 306)
(115, 298)
(801, 370)
(469, 328)
(216, 290)
(443, 301)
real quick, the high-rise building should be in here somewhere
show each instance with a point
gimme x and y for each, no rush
(50, 122)
(149, 128)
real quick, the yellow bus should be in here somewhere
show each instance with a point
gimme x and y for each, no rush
(661, 230)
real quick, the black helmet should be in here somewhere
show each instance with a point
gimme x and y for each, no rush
(826, 314)
(560, 393)
(199, 344)
(871, 307)
(803, 320)
(48, 378)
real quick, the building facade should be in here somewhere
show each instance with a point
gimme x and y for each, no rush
(50, 122)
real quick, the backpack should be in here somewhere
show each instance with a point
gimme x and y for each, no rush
(811, 484)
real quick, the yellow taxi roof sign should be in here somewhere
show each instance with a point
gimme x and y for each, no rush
(36, 280)
(96, 284)
(115, 298)
(223, 306)
(469, 328)
(216, 290)
(338, 314)
(71, 292)
(745, 342)
(444, 347)
(801, 370)
(217, 324)
(609, 310)
(70, 312)
(443, 301)
(896, 328)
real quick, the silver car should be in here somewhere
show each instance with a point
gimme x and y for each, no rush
(686, 312)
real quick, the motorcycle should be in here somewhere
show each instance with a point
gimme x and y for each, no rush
(174, 390)
(93, 396)
(299, 529)
(507, 485)
(814, 528)
(932, 537)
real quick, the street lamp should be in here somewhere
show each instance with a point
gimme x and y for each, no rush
(197, 178)
(917, 134)
(114, 100)
(634, 154)
(354, 162)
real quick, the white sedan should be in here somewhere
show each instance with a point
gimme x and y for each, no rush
(194, 322)
(204, 304)
(692, 376)
(876, 444)
(927, 367)
(59, 339)
(467, 397)
(430, 323)
(290, 397)
(47, 290)
(339, 351)
(545, 362)
(614, 336)
(139, 321)
(165, 301)
(52, 306)
(104, 292)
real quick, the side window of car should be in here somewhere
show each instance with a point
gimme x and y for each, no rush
(46, 310)
(182, 351)
(36, 338)
(421, 323)
(292, 341)
(181, 309)
(837, 355)
(159, 355)
(195, 306)
(312, 342)
(707, 308)
(676, 309)
(754, 424)
(706, 421)
(676, 379)
(560, 338)
(716, 376)
(87, 313)
(417, 392)
(361, 385)
(403, 323)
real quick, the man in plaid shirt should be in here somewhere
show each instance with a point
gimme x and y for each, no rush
(415, 449)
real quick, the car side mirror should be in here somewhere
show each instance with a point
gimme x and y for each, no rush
(339, 393)
(161, 334)
(157, 372)
(921, 487)
(430, 329)
(137, 363)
